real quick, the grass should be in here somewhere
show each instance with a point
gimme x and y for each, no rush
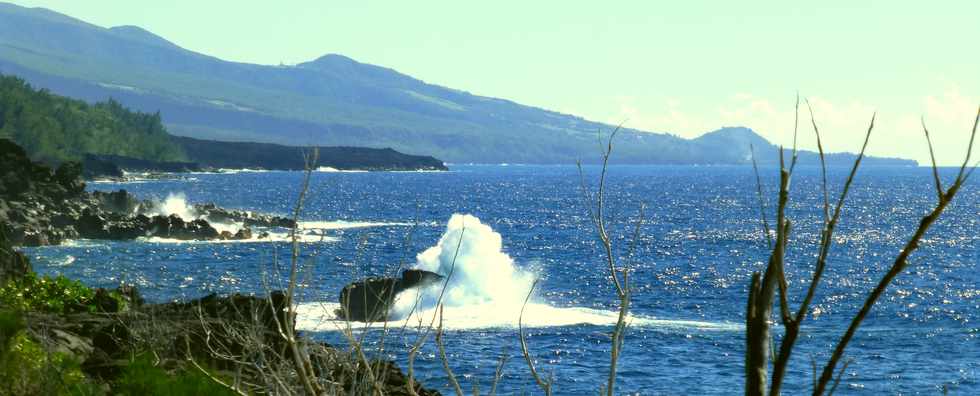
(144, 378)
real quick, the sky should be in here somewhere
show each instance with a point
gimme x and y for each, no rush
(680, 67)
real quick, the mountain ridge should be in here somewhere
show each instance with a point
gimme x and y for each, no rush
(332, 100)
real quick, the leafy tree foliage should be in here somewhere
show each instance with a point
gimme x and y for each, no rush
(55, 129)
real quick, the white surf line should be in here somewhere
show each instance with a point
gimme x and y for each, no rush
(320, 317)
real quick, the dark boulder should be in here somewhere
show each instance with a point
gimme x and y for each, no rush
(128, 227)
(121, 202)
(368, 300)
(198, 229)
(243, 234)
(13, 264)
(17, 171)
(416, 278)
(248, 219)
(34, 238)
(371, 299)
(91, 224)
(69, 176)
(175, 227)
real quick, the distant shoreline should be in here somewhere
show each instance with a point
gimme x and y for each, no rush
(212, 156)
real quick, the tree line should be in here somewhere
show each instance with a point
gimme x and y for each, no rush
(54, 129)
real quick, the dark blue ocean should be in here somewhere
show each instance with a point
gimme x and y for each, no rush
(698, 245)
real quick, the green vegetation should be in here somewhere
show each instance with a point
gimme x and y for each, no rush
(53, 128)
(142, 377)
(27, 368)
(58, 295)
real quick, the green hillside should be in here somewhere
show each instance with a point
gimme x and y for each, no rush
(53, 128)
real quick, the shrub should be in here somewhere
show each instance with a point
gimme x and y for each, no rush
(47, 294)
(142, 377)
(26, 368)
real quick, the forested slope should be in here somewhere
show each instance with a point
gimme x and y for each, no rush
(53, 128)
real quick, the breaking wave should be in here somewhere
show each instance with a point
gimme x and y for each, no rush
(485, 289)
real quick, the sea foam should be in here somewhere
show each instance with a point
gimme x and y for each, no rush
(485, 289)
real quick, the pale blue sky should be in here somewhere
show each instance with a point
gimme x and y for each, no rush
(680, 67)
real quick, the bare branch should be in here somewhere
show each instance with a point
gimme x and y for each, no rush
(840, 375)
(545, 385)
(302, 364)
(499, 373)
(445, 359)
(762, 200)
(969, 146)
(410, 384)
(932, 155)
(896, 268)
(796, 125)
(792, 330)
(823, 166)
(215, 379)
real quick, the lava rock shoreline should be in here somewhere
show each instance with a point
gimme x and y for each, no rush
(217, 331)
(45, 206)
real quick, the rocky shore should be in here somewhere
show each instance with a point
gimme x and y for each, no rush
(45, 206)
(238, 338)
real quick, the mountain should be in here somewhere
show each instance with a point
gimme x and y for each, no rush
(333, 100)
(109, 138)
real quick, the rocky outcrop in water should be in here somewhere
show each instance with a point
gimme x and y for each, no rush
(371, 299)
(44, 206)
(250, 219)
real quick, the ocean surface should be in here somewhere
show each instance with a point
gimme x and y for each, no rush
(500, 227)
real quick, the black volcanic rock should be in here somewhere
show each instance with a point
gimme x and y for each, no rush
(95, 168)
(114, 165)
(121, 201)
(243, 155)
(371, 299)
(249, 219)
(13, 264)
(40, 206)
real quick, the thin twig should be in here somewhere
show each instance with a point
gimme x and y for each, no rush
(499, 373)
(445, 359)
(545, 385)
(932, 155)
(420, 341)
(840, 375)
(792, 327)
(762, 200)
(303, 366)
